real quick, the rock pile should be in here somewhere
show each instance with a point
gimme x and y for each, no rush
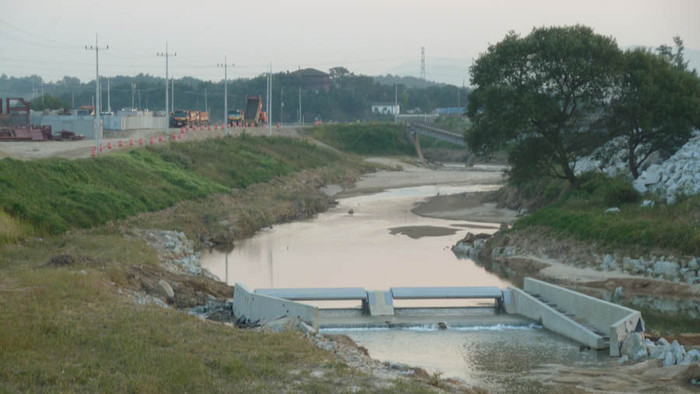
(176, 252)
(635, 348)
(679, 175)
(669, 268)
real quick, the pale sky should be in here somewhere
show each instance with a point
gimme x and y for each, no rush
(373, 37)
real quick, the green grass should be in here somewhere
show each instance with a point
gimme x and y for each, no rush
(55, 195)
(62, 330)
(11, 229)
(580, 213)
(365, 139)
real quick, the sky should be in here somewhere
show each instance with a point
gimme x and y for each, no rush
(372, 37)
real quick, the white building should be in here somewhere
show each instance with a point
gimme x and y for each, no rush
(386, 109)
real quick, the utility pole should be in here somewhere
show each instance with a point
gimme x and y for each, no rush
(225, 66)
(172, 95)
(269, 101)
(422, 63)
(206, 107)
(109, 98)
(133, 94)
(396, 104)
(166, 54)
(98, 123)
(281, 104)
(300, 105)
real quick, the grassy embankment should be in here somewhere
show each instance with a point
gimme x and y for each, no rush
(580, 214)
(661, 230)
(72, 327)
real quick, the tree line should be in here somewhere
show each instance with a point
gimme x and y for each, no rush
(349, 98)
(560, 93)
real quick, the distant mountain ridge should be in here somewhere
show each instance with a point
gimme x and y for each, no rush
(454, 71)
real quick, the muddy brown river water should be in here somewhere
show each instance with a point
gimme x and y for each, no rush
(383, 244)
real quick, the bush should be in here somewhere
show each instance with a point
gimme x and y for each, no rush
(609, 191)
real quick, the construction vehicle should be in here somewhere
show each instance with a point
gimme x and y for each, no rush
(178, 118)
(235, 117)
(182, 118)
(254, 115)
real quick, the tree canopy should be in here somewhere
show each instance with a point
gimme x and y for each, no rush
(48, 102)
(543, 94)
(656, 106)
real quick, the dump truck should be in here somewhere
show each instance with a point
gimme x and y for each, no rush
(235, 117)
(178, 118)
(203, 118)
(182, 118)
(254, 115)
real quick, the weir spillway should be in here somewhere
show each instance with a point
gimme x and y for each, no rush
(590, 321)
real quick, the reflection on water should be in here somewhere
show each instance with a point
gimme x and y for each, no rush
(382, 244)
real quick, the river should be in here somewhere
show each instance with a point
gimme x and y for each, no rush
(375, 241)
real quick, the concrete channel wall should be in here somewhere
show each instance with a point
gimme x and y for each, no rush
(522, 303)
(604, 316)
(258, 308)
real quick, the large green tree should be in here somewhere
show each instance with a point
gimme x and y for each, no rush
(542, 95)
(656, 107)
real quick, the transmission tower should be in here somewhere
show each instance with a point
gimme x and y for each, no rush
(422, 63)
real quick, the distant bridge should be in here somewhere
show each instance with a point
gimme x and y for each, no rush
(422, 128)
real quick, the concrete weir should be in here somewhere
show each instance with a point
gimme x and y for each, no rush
(592, 322)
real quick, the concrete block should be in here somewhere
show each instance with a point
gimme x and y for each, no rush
(380, 303)
(260, 309)
(316, 294)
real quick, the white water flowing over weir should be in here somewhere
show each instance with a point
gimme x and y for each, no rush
(368, 249)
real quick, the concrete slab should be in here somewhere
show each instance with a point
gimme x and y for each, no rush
(316, 294)
(414, 293)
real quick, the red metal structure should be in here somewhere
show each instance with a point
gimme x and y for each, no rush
(15, 123)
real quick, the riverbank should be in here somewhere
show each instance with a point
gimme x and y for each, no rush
(105, 308)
